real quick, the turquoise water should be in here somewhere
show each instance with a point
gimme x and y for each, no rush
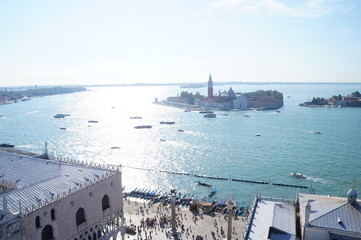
(226, 146)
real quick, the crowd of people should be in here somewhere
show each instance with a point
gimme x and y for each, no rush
(154, 222)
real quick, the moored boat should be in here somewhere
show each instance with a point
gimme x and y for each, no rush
(204, 184)
(7, 145)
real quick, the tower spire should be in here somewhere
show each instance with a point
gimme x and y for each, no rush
(210, 86)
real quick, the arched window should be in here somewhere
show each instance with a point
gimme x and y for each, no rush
(105, 202)
(47, 233)
(52, 214)
(80, 216)
(37, 222)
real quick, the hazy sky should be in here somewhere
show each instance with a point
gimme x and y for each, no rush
(113, 42)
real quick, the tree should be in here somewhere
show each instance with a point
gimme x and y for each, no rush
(356, 94)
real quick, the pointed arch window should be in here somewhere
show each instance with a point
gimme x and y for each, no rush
(37, 222)
(52, 214)
(80, 216)
(105, 202)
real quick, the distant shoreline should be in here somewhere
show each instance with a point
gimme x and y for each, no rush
(187, 84)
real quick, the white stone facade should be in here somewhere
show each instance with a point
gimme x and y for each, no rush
(64, 224)
(59, 199)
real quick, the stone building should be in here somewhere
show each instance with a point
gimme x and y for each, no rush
(309, 217)
(59, 199)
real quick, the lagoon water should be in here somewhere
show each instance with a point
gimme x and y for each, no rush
(226, 146)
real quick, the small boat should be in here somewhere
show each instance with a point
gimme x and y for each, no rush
(317, 132)
(245, 115)
(135, 117)
(213, 192)
(206, 112)
(298, 175)
(162, 122)
(7, 145)
(204, 184)
(180, 130)
(92, 121)
(225, 114)
(162, 140)
(61, 115)
(278, 111)
(187, 110)
(210, 115)
(143, 126)
(115, 148)
(257, 134)
(62, 128)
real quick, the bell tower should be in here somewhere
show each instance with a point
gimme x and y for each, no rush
(210, 87)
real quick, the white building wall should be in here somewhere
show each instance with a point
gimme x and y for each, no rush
(89, 198)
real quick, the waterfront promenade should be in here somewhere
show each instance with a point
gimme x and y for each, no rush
(153, 221)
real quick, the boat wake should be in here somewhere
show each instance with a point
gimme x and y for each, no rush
(32, 112)
(318, 180)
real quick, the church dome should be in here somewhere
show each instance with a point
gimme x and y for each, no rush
(352, 193)
(351, 196)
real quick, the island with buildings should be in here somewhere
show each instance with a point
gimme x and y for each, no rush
(350, 100)
(227, 100)
(12, 96)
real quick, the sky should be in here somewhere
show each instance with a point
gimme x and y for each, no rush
(72, 42)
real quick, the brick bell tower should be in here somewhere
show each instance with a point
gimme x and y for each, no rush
(210, 87)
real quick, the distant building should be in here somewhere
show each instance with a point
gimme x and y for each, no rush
(228, 100)
(58, 199)
(309, 217)
(210, 87)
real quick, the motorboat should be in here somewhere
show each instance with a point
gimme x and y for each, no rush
(298, 175)
(210, 115)
(317, 132)
(245, 115)
(163, 122)
(61, 115)
(143, 126)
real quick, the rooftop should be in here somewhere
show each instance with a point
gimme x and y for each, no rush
(332, 212)
(38, 181)
(274, 220)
